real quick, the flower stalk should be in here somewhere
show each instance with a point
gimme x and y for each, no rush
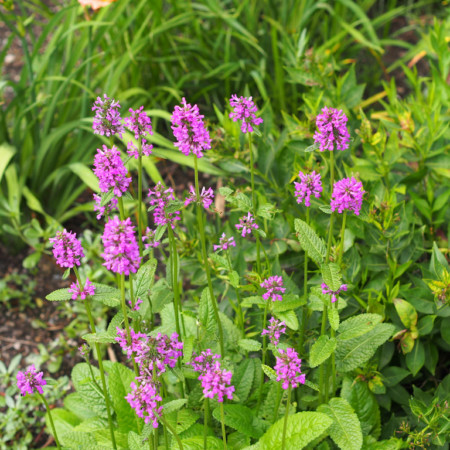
(51, 421)
(283, 439)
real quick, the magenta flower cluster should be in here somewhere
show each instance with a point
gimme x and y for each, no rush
(84, 351)
(107, 120)
(274, 288)
(144, 398)
(332, 130)
(160, 197)
(81, 293)
(141, 125)
(288, 368)
(274, 331)
(244, 109)
(310, 184)
(347, 196)
(214, 379)
(67, 249)
(225, 243)
(106, 209)
(136, 306)
(111, 171)
(247, 224)
(334, 294)
(30, 380)
(189, 130)
(121, 251)
(206, 197)
(149, 238)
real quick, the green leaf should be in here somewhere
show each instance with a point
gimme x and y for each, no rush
(59, 295)
(77, 439)
(64, 421)
(406, 312)
(6, 153)
(196, 443)
(249, 345)
(134, 441)
(174, 405)
(353, 353)
(438, 263)
(346, 428)
(206, 314)
(392, 375)
(238, 417)
(301, 429)
(416, 358)
(253, 300)
(358, 395)
(86, 175)
(101, 337)
(182, 419)
(234, 278)
(333, 318)
(161, 295)
(144, 278)
(331, 275)
(425, 325)
(322, 350)
(290, 302)
(108, 295)
(243, 378)
(313, 245)
(269, 372)
(357, 326)
(74, 403)
(289, 318)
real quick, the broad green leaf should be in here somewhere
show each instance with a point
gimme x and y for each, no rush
(243, 378)
(392, 375)
(161, 295)
(74, 403)
(365, 405)
(59, 295)
(174, 405)
(416, 358)
(206, 314)
(254, 300)
(313, 245)
(302, 428)
(269, 372)
(425, 324)
(346, 428)
(101, 337)
(182, 419)
(289, 318)
(321, 350)
(64, 421)
(249, 345)
(134, 441)
(196, 443)
(331, 275)
(289, 302)
(240, 418)
(234, 278)
(357, 326)
(406, 312)
(438, 263)
(353, 353)
(6, 153)
(108, 295)
(77, 439)
(86, 175)
(144, 278)
(333, 317)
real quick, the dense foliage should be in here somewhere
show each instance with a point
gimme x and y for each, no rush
(315, 227)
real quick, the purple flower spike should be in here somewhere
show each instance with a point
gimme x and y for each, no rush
(288, 368)
(274, 331)
(111, 171)
(214, 382)
(144, 398)
(121, 253)
(84, 351)
(136, 306)
(332, 125)
(334, 294)
(30, 380)
(141, 125)
(189, 130)
(67, 249)
(149, 238)
(204, 361)
(104, 210)
(206, 197)
(247, 224)
(160, 197)
(347, 195)
(81, 293)
(310, 184)
(244, 109)
(225, 243)
(273, 285)
(107, 121)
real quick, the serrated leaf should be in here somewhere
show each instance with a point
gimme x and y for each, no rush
(101, 337)
(243, 378)
(161, 296)
(289, 302)
(116, 321)
(312, 385)
(331, 275)
(357, 326)
(77, 439)
(333, 317)
(406, 312)
(182, 419)
(289, 318)
(220, 260)
(321, 350)
(234, 278)
(108, 295)
(74, 403)
(302, 428)
(253, 300)
(174, 405)
(60, 295)
(225, 191)
(238, 417)
(269, 372)
(134, 441)
(65, 421)
(144, 278)
(353, 353)
(206, 314)
(346, 428)
(249, 345)
(312, 244)
(197, 442)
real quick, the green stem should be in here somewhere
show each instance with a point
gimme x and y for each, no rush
(51, 421)
(252, 175)
(278, 401)
(330, 232)
(174, 433)
(333, 355)
(238, 297)
(323, 385)
(205, 258)
(305, 294)
(174, 269)
(222, 421)
(205, 424)
(341, 246)
(121, 209)
(263, 357)
(283, 439)
(139, 221)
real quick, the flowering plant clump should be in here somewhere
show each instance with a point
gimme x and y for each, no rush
(274, 288)
(141, 125)
(107, 120)
(310, 184)
(189, 130)
(160, 197)
(275, 330)
(288, 368)
(332, 130)
(30, 380)
(347, 196)
(80, 293)
(144, 398)
(334, 294)
(67, 249)
(215, 380)
(247, 224)
(111, 171)
(244, 109)
(225, 243)
(121, 252)
(206, 197)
